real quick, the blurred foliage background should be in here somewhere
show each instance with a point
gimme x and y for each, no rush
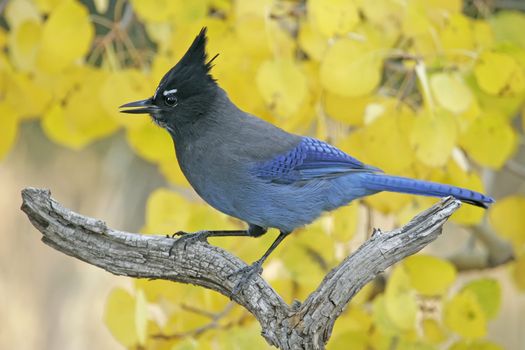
(428, 89)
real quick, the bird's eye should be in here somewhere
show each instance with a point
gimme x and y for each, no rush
(170, 100)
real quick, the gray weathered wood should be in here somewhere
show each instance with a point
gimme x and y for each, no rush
(307, 326)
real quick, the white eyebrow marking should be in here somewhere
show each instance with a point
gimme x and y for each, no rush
(168, 92)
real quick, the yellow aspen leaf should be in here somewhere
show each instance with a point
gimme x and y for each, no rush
(205, 216)
(504, 24)
(66, 36)
(345, 222)
(499, 74)
(191, 344)
(350, 68)
(355, 319)
(259, 8)
(489, 140)
(283, 86)
(141, 316)
(120, 316)
(240, 86)
(155, 291)
(160, 65)
(468, 116)
(518, 272)
(333, 17)
(430, 275)
(464, 315)
(153, 342)
(219, 34)
(349, 340)
(349, 110)
(300, 121)
(504, 105)
(252, 35)
(162, 34)
(433, 331)
(150, 141)
(483, 34)
(60, 86)
(223, 5)
(415, 22)
(283, 45)
(386, 145)
(377, 37)
(400, 302)
(121, 87)
(457, 34)
(488, 293)
(208, 300)
(433, 137)
(242, 337)
(324, 249)
(47, 6)
(300, 261)
(148, 10)
(23, 86)
(166, 212)
(388, 202)
(507, 219)
(23, 44)
(311, 41)
(440, 6)
(382, 321)
(466, 344)
(187, 12)
(57, 128)
(20, 11)
(9, 127)
(451, 92)
(379, 12)
(384, 140)
(72, 124)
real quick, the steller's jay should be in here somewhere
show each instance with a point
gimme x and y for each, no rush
(254, 171)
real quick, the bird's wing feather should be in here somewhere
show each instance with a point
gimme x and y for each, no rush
(310, 159)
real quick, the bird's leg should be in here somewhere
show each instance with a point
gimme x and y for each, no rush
(246, 273)
(186, 238)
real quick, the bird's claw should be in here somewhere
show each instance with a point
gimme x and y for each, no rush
(181, 233)
(188, 238)
(246, 274)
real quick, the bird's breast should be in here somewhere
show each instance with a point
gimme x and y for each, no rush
(215, 176)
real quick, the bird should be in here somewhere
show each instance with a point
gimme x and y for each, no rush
(255, 171)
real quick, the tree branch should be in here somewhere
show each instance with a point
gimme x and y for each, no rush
(306, 326)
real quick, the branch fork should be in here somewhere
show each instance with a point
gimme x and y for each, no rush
(300, 326)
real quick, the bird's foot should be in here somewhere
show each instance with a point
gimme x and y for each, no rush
(188, 238)
(246, 274)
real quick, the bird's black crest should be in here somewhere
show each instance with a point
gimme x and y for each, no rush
(193, 69)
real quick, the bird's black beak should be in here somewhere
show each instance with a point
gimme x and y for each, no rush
(139, 107)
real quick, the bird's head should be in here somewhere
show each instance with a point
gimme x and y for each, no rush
(184, 93)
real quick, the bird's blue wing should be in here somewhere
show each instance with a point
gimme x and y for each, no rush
(310, 159)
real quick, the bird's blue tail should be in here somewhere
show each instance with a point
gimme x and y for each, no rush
(381, 182)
